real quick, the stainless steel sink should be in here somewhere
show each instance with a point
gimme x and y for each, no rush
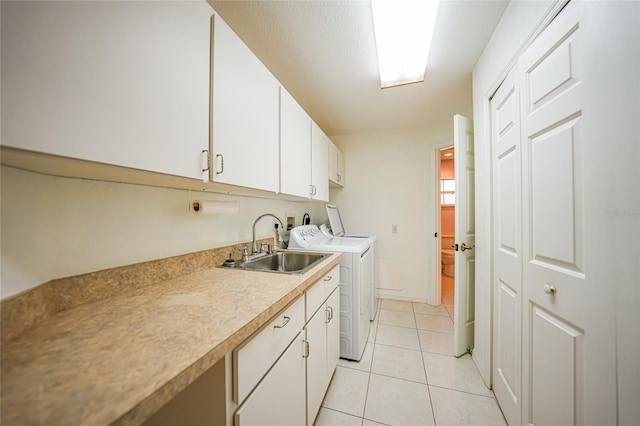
(285, 262)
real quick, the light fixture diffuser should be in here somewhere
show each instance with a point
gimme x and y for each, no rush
(403, 31)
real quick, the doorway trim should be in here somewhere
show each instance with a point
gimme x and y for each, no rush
(436, 294)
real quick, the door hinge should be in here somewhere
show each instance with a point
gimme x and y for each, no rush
(470, 350)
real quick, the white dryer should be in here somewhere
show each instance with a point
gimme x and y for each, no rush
(355, 283)
(338, 230)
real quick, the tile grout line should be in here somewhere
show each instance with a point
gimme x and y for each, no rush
(370, 373)
(373, 352)
(424, 367)
(465, 392)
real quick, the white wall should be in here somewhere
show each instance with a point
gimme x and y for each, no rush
(56, 227)
(390, 180)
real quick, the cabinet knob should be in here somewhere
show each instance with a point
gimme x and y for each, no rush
(550, 289)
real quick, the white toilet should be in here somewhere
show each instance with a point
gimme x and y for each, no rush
(448, 256)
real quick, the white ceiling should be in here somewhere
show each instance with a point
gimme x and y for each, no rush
(323, 52)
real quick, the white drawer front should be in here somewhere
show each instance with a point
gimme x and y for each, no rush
(331, 281)
(321, 290)
(314, 298)
(253, 359)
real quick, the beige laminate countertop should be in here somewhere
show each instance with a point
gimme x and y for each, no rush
(120, 359)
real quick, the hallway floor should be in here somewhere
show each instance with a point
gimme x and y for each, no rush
(409, 376)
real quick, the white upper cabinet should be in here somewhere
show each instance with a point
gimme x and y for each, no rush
(121, 83)
(336, 166)
(295, 147)
(304, 152)
(245, 115)
(320, 163)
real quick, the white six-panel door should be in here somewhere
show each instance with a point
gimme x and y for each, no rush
(507, 250)
(568, 320)
(464, 307)
(554, 318)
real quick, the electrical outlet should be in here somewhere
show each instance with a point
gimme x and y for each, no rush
(290, 222)
(394, 229)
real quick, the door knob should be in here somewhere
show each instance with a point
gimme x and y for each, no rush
(463, 247)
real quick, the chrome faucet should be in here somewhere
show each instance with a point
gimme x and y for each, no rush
(255, 245)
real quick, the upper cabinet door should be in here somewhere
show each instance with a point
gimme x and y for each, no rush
(245, 116)
(336, 166)
(319, 163)
(341, 171)
(123, 83)
(295, 147)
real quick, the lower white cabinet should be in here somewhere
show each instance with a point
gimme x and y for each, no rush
(282, 372)
(323, 337)
(253, 359)
(279, 398)
(333, 334)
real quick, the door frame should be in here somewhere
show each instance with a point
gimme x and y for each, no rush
(436, 294)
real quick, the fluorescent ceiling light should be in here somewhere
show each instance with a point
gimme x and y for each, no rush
(403, 30)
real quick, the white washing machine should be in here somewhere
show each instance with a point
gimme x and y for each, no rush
(338, 230)
(355, 283)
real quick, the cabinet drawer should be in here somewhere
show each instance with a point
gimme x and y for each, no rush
(254, 358)
(279, 399)
(321, 290)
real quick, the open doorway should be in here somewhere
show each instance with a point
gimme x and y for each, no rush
(446, 210)
(455, 235)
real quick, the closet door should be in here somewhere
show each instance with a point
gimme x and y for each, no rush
(569, 358)
(507, 250)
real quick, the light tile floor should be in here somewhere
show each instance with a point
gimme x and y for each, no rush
(409, 376)
(448, 293)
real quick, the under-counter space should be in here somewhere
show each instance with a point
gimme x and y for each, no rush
(120, 359)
